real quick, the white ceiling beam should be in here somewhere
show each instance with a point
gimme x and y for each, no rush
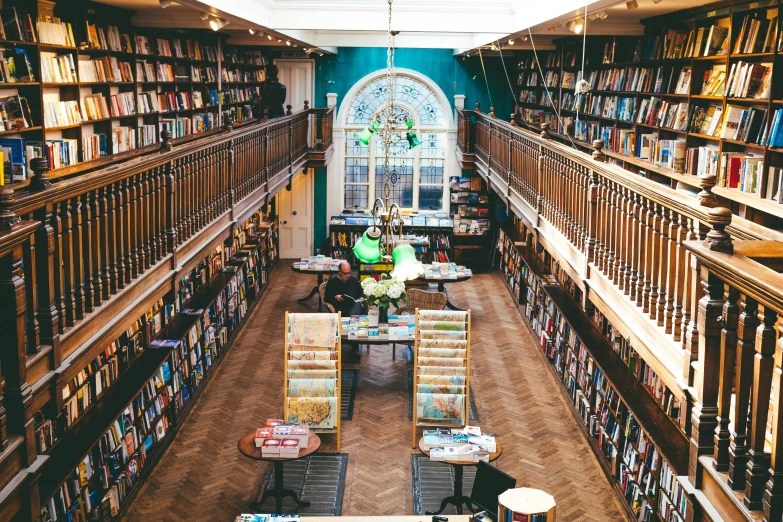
(420, 40)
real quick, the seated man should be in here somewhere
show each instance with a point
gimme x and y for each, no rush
(337, 288)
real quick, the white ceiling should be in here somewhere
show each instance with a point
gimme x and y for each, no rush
(455, 24)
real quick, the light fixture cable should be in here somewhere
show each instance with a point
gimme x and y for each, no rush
(481, 57)
(513, 96)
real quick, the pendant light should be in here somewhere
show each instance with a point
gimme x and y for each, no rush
(368, 247)
(413, 140)
(406, 266)
(366, 135)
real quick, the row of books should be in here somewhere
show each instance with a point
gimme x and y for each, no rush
(105, 69)
(245, 56)
(15, 66)
(15, 26)
(58, 69)
(193, 50)
(757, 35)
(109, 40)
(123, 139)
(95, 107)
(61, 113)
(52, 30)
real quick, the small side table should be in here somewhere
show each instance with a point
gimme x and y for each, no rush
(247, 446)
(319, 273)
(458, 499)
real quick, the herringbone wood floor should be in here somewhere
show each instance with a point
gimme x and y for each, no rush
(202, 477)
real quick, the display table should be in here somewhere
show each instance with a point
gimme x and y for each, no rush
(457, 499)
(247, 446)
(442, 286)
(526, 504)
(414, 518)
(320, 279)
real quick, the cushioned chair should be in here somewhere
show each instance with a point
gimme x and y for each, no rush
(325, 307)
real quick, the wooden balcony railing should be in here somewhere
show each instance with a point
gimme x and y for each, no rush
(77, 253)
(322, 122)
(630, 237)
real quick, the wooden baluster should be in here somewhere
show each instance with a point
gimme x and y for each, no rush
(663, 264)
(69, 302)
(628, 231)
(152, 195)
(28, 266)
(682, 270)
(163, 197)
(757, 468)
(636, 250)
(649, 264)
(705, 412)
(95, 248)
(170, 172)
(728, 357)
(144, 221)
(48, 312)
(127, 227)
(673, 235)
(773, 492)
(643, 251)
(746, 351)
(612, 231)
(593, 217)
(80, 295)
(102, 241)
(177, 172)
(603, 215)
(114, 241)
(689, 338)
(201, 179)
(189, 214)
(622, 238)
(655, 259)
(17, 394)
(85, 211)
(58, 263)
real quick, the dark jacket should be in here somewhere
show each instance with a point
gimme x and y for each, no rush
(335, 286)
(273, 97)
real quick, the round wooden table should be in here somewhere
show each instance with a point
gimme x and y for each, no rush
(442, 286)
(247, 446)
(457, 499)
(319, 273)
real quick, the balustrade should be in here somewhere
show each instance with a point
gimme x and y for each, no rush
(669, 256)
(69, 249)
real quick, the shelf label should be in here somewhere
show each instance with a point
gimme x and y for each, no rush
(712, 14)
(753, 5)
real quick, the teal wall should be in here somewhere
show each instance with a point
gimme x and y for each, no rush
(338, 73)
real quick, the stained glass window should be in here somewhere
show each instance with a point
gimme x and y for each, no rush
(416, 175)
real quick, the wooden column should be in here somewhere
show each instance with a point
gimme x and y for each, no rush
(48, 314)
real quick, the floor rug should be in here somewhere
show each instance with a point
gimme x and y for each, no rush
(350, 380)
(434, 481)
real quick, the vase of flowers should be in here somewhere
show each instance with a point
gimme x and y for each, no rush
(382, 293)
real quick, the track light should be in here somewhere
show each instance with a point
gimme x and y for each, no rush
(570, 26)
(510, 41)
(218, 23)
(204, 16)
(279, 40)
(633, 4)
(656, 1)
(551, 29)
(603, 15)
(525, 38)
(579, 24)
(165, 3)
(288, 43)
(320, 54)
(269, 37)
(251, 31)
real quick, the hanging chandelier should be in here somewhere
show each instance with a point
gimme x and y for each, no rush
(380, 241)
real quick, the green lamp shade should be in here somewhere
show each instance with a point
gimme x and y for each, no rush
(406, 266)
(368, 247)
(408, 123)
(366, 135)
(413, 140)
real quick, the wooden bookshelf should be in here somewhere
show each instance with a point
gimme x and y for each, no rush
(605, 53)
(238, 93)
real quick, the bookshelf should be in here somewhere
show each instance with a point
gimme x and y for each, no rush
(100, 89)
(640, 448)
(114, 444)
(664, 110)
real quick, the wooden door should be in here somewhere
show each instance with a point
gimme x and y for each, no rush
(295, 210)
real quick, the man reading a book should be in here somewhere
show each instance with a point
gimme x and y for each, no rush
(343, 291)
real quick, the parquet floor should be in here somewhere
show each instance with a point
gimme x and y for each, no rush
(202, 476)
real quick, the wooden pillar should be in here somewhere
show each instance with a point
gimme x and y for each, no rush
(746, 337)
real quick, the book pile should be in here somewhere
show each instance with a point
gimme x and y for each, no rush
(446, 271)
(267, 518)
(465, 445)
(319, 262)
(281, 439)
(399, 328)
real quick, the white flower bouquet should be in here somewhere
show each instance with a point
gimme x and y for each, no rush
(383, 292)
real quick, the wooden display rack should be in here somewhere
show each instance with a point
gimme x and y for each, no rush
(526, 505)
(416, 348)
(338, 380)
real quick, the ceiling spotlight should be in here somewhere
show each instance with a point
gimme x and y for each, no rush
(603, 15)
(288, 43)
(510, 41)
(165, 3)
(204, 16)
(570, 26)
(633, 4)
(525, 38)
(579, 24)
(279, 40)
(251, 31)
(656, 1)
(218, 23)
(320, 54)
(551, 29)
(593, 16)
(269, 37)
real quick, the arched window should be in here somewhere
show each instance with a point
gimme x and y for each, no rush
(417, 175)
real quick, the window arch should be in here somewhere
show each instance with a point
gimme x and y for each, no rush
(418, 178)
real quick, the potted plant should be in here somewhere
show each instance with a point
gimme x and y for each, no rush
(380, 294)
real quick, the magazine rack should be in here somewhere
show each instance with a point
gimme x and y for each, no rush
(441, 369)
(316, 370)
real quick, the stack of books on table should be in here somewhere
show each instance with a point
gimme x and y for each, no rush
(446, 271)
(319, 262)
(466, 445)
(399, 328)
(268, 518)
(281, 439)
